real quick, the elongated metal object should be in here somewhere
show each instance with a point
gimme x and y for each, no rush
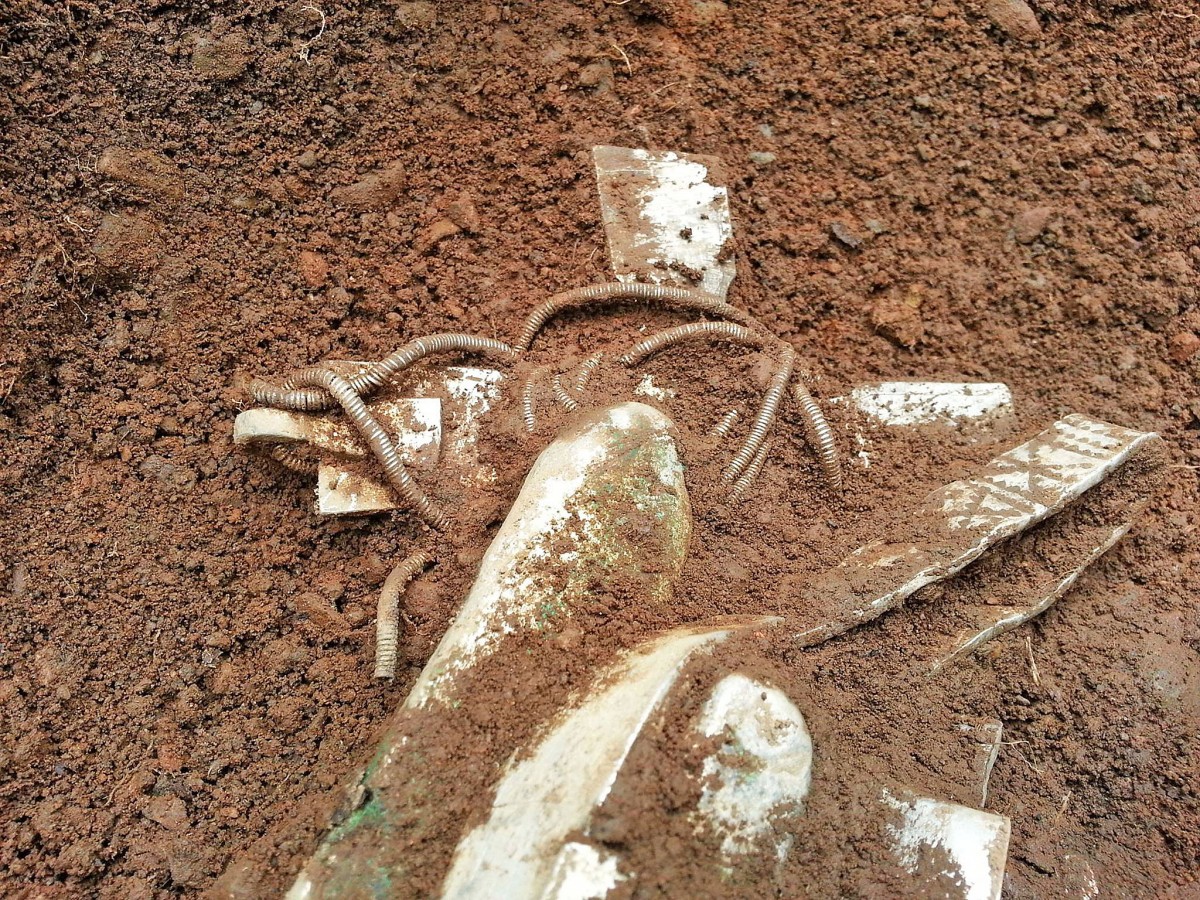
(959, 522)
(568, 538)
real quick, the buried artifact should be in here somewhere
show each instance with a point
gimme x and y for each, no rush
(604, 512)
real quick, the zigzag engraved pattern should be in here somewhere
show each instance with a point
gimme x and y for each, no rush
(1016, 486)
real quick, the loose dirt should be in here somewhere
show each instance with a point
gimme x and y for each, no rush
(194, 196)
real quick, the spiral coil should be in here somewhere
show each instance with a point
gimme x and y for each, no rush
(637, 291)
(720, 331)
(765, 418)
(387, 615)
(820, 434)
(291, 395)
(381, 445)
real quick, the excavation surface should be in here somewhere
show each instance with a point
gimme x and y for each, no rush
(190, 198)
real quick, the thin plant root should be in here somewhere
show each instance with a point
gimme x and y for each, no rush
(820, 435)
(723, 427)
(680, 298)
(293, 460)
(765, 418)
(562, 396)
(381, 445)
(717, 331)
(585, 372)
(293, 396)
(387, 616)
(743, 484)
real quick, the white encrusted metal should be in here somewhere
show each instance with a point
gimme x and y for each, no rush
(552, 790)
(413, 423)
(913, 403)
(470, 394)
(647, 388)
(439, 427)
(764, 766)
(344, 493)
(987, 734)
(665, 218)
(962, 520)
(513, 589)
(990, 621)
(949, 847)
(583, 872)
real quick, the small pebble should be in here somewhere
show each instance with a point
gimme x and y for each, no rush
(845, 235)
(762, 157)
(313, 268)
(1014, 18)
(374, 190)
(307, 160)
(170, 812)
(1183, 346)
(144, 169)
(434, 235)
(1027, 226)
(19, 583)
(899, 319)
(126, 243)
(598, 75)
(462, 213)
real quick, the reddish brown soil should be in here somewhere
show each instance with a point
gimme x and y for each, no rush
(193, 196)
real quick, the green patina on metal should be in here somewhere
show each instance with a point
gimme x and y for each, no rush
(549, 611)
(635, 481)
(641, 472)
(372, 814)
(639, 478)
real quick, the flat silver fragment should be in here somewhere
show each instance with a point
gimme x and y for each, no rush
(666, 218)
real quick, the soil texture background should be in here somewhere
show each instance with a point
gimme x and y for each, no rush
(195, 194)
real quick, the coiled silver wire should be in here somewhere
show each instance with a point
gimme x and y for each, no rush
(291, 395)
(820, 434)
(562, 395)
(387, 614)
(752, 471)
(765, 418)
(720, 331)
(637, 291)
(381, 445)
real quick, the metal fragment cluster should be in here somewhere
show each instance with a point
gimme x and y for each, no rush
(733, 326)
(322, 387)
